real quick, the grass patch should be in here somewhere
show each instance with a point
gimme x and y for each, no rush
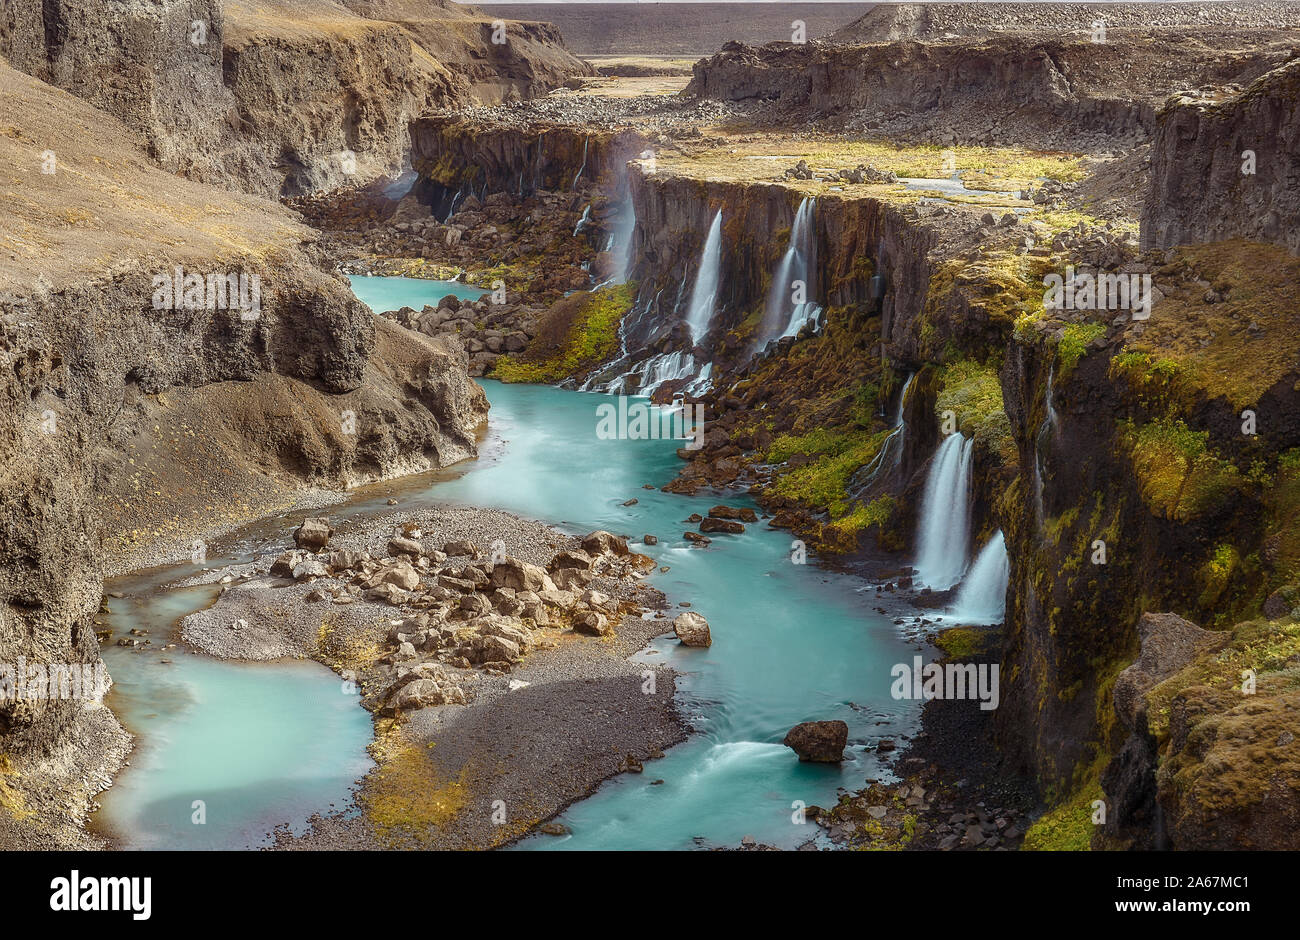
(1213, 345)
(1075, 342)
(973, 393)
(823, 482)
(588, 323)
(1067, 827)
(1180, 478)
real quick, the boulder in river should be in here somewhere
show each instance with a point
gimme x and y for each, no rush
(313, 534)
(821, 741)
(692, 629)
(711, 524)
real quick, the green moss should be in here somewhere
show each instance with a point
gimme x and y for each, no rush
(592, 338)
(1179, 476)
(961, 643)
(1269, 649)
(973, 393)
(1215, 574)
(864, 515)
(823, 482)
(1067, 827)
(1075, 341)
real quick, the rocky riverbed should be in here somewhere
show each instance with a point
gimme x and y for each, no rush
(492, 652)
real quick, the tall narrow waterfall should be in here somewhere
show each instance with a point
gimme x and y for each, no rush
(705, 293)
(582, 222)
(1045, 431)
(891, 449)
(790, 302)
(944, 532)
(585, 141)
(983, 595)
(621, 243)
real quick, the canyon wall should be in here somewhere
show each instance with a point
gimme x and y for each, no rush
(889, 22)
(1226, 168)
(278, 98)
(1111, 88)
(1135, 491)
(136, 422)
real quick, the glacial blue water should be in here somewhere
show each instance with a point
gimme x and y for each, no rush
(255, 745)
(791, 642)
(268, 743)
(382, 294)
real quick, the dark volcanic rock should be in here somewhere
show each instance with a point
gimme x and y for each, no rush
(821, 741)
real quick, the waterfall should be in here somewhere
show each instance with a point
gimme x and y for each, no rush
(891, 447)
(655, 371)
(585, 141)
(1047, 428)
(582, 222)
(944, 536)
(700, 312)
(983, 595)
(783, 316)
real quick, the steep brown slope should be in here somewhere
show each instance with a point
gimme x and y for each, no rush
(277, 97)
(127, 431)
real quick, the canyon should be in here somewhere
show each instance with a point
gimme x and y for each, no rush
(835, 249)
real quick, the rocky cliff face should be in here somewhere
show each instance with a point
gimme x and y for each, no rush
(134, 422)
(1225, 167)
(1042, 87)
(456, 155)
(281, 98)
(888, 22)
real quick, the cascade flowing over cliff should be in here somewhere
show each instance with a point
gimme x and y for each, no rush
(284, 97)
(136, 422)
(1110, 451)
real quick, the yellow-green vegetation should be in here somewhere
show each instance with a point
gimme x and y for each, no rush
(973, 393)
(591, 337)
(1269, 649)
(833, 456)
(842, 533)
(959, 643)
(1068, 826)
(1075, 341)
(1179, 476)
(1282, 495)
(406, 796)
(1215, 573)
(1213, 343)
(995, 169)
(11, 801)
(517, 276)
(1006, 286)
(1061, 220)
